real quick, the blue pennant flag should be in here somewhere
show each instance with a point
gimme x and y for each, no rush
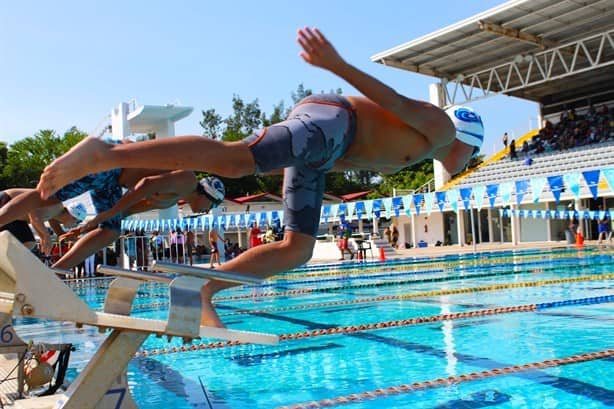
(326, 213)
(465, 194)
(609, 177)
(592, 180)
(377, 207)
(396, 205)
(505, 191)
(572, 180)
(556, 186)
(407, 199)
(453, 199)
(537, 186)
(350, 209)
(441, 199)
(429, 199)
(478, 195)
(521, 188)
(360, 210)
(341, 211)
(418, 199)
(491, 191)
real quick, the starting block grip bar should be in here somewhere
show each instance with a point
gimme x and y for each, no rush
(206, 273)
(138, 275)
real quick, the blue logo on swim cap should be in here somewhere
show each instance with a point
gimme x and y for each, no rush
(467, 115)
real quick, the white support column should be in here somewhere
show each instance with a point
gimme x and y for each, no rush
(579, 206)
(490, 226)
(515, 227)
(413, 230)
(460, 226)
(376, 225)
(239, 238)
(165, 129)
(501, 237)
(479, 226)
(120, 127)
(548, 224)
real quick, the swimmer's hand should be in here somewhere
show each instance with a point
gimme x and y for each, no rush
(318, 51)
(96, 221)
(71, 235)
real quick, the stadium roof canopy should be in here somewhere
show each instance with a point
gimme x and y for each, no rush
(550, 51)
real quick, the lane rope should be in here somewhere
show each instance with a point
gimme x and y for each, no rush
(450, 380)
(350, 329)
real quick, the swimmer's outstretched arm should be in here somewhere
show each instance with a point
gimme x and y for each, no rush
(426, 118)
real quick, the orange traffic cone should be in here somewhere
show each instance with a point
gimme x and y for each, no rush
(382, 254)
(579, 239)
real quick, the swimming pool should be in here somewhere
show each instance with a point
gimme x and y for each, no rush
(448, 332)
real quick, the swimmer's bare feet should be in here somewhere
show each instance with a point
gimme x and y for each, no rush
(82, 159)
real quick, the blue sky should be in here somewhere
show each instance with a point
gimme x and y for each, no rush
(68, 63)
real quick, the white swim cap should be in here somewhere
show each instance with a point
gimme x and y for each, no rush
(214, 189)
(469, 126)
(78, 211)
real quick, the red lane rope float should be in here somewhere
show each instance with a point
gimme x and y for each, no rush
(349, 329)
(451, 380)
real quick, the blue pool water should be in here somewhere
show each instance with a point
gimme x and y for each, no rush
(329, 366)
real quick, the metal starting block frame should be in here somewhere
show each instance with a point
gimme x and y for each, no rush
(31, 289)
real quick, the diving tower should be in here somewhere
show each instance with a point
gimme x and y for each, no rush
(158, 120)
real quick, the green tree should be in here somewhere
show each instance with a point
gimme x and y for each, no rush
(300, 93)
(212, 124)
(244, 120)
(412, 177)
(26, 158)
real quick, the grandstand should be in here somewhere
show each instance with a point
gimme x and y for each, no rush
(558, 53)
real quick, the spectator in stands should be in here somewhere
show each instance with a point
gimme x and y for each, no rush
(525, 149)
(505, 140)
(513, 154)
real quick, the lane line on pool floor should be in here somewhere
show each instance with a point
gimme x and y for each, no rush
(350, 329)
(433, 293)
(393, 297)
(451, 380)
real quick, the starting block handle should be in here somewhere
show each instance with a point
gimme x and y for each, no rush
(206, 273)
(138, 275)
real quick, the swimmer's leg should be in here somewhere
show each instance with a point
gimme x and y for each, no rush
(86, 246)
(261, 261)
(228, 159)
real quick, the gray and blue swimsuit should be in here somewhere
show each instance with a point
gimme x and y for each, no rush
(306, 145)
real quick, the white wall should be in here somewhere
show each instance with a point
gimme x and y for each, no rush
(433, 225)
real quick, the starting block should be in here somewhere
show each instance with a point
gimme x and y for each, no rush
(31, 289)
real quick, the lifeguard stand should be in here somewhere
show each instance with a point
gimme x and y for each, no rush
(130, 117)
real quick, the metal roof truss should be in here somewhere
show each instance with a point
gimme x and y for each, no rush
(524, 71)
